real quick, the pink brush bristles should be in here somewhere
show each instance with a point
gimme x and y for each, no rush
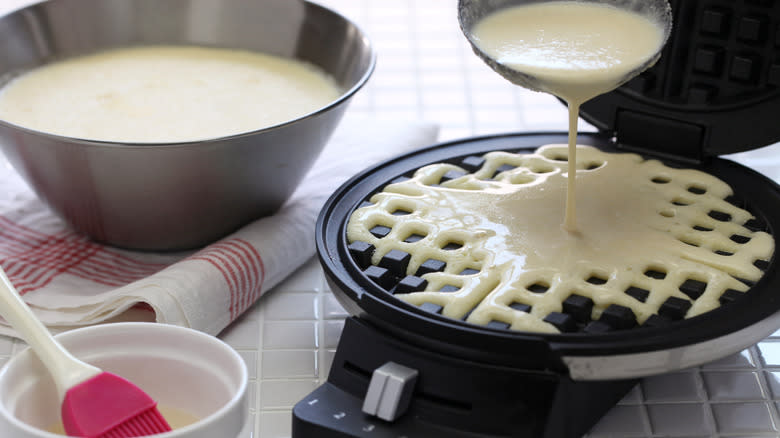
(108, 406)
(148, 423)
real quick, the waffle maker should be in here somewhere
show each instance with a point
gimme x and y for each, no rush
(406, 371)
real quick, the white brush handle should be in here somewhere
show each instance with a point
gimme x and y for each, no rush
(66, 370)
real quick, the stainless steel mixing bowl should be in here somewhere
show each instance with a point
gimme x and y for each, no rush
(176, 195)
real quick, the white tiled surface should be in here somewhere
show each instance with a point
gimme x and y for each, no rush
(425, 71)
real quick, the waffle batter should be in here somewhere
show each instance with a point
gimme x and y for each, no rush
(165, 94)
(574, 50)
(644, 226)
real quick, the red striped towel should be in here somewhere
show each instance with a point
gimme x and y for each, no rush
(71, 281)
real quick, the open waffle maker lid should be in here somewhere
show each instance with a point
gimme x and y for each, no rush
(714, 91)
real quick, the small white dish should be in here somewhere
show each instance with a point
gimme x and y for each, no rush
(182, 369)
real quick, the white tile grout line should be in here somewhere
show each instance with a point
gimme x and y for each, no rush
(647, 425)
(258, 411)
(764, 385)
(708, 412)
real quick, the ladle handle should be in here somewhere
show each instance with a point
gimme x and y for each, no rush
(63, 366)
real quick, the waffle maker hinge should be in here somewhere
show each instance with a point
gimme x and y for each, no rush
(653, 135)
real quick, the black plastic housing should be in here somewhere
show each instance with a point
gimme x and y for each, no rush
(453, 397)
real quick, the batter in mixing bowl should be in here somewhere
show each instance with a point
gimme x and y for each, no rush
(162, 94)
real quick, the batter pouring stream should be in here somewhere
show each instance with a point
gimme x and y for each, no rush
(573, 50)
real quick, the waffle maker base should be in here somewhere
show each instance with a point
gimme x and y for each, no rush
(475, 381)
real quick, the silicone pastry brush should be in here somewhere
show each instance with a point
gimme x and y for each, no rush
(94, 403)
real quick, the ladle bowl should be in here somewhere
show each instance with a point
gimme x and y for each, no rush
(471, 12)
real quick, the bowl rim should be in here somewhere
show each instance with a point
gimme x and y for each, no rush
(343, 96)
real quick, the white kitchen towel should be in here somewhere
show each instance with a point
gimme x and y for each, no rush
(71, 281)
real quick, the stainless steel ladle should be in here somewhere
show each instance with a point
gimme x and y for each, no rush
(471, 11)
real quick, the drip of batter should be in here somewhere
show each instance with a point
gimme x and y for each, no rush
(573, 50)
